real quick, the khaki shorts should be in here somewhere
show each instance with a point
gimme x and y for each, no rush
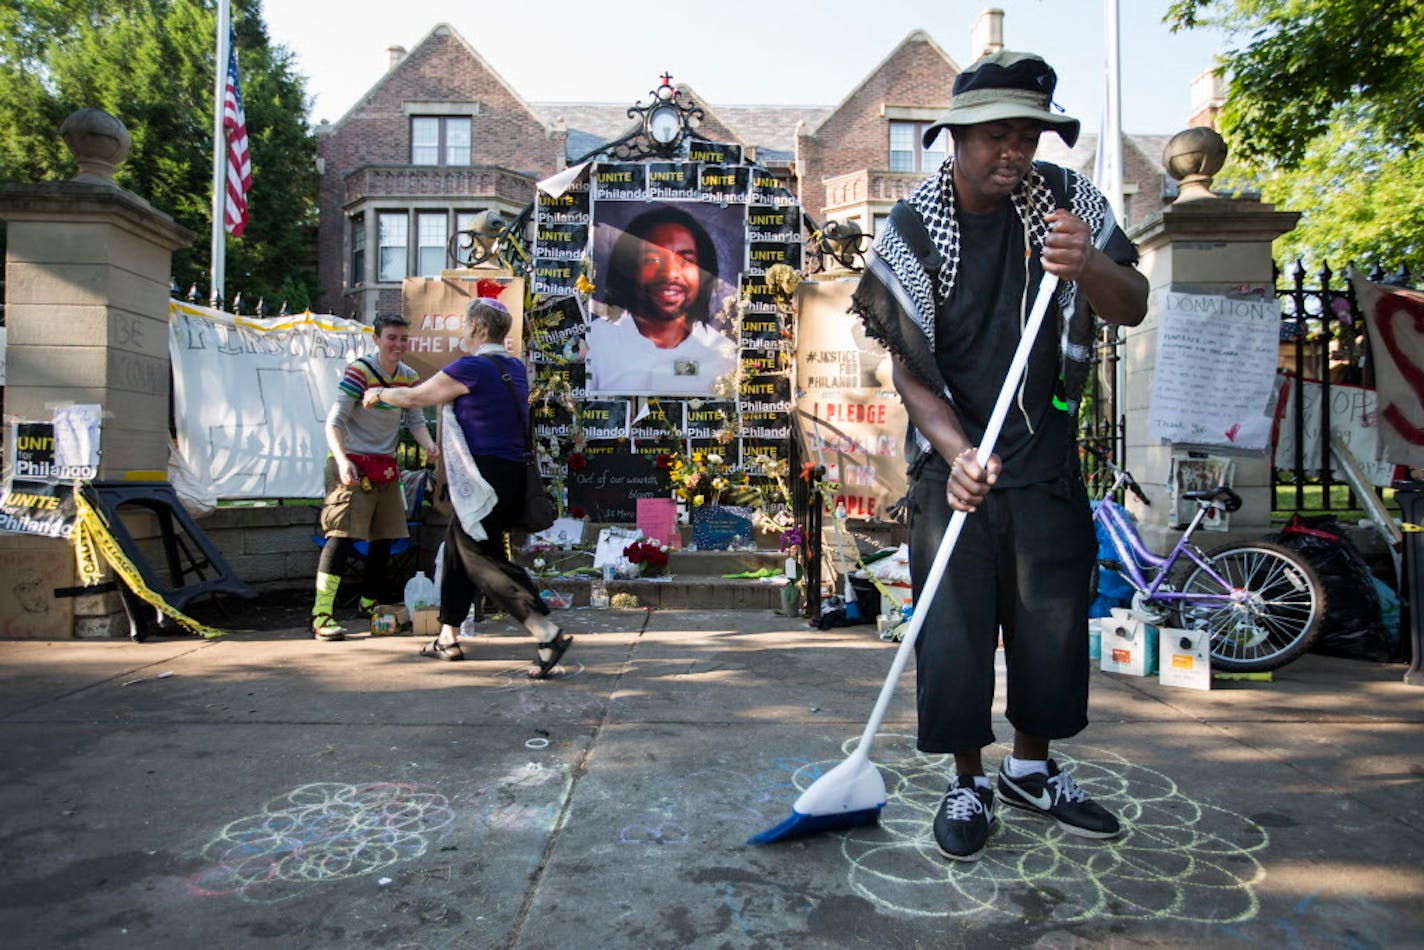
(353, 512)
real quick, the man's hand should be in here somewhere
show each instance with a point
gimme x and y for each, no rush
(969, 482)
(347, 471)
(1068, 247)
(432, 452)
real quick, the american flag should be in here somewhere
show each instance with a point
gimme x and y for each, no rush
(239, 163)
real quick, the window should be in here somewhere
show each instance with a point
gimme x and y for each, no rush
(392, 230)
(440, 141)
(430, 247)
(358, 249)
(906, 152)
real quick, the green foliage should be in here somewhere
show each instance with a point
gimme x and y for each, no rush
(1304, 60)
(150, 64)
(1323, 111)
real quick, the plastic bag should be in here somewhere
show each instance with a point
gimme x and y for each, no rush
(420, 591)
(1354, 625)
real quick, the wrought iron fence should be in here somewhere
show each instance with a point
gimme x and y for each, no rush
(1324, 343)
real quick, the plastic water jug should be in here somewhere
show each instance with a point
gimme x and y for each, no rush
(420, 591)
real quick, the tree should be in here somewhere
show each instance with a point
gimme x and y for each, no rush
(150, 63)
(1323, 108)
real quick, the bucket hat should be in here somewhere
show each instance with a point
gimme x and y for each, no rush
(1005, 85)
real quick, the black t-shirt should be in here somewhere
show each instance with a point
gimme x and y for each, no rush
(976, 332)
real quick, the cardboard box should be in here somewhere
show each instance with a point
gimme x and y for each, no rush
(1185, 658)
(426, 622)
(389, 619)
(1129, 644)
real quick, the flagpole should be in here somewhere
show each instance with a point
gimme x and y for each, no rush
(219, 237)
(1112, 189)
(1112, 186)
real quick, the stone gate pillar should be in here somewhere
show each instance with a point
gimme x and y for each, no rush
(87, 274)
(1208, 245)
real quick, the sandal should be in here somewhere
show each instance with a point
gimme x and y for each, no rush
(557, 647)
(439, 651)
(325, 627)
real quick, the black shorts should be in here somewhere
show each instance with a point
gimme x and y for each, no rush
(1023, 565)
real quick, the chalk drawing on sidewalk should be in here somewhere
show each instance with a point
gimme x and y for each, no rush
(320, 832)
(1177, 859)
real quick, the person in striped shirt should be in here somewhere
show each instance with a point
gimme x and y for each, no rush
(364, 500)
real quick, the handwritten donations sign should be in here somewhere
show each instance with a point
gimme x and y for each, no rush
(1216, 364)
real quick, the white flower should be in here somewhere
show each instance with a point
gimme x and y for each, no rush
(714, 459)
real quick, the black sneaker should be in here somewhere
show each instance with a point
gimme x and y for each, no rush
(1057, 796)
(964, 819)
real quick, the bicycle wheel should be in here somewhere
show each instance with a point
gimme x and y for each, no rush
(1275, 606)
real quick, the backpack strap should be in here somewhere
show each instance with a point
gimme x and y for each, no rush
(911, 228)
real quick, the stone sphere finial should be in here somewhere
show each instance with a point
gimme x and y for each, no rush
(99, 141)
(1193, 157)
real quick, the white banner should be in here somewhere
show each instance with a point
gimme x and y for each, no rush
(250, 397)
(1215, 372)
(1354, 418)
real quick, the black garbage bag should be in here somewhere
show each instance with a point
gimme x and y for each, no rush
(1354, 625)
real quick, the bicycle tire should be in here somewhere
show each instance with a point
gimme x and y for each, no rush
(1275, 618)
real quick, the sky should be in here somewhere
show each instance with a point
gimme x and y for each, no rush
(741, 52)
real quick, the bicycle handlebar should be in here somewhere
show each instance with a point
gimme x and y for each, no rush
(1128, 481)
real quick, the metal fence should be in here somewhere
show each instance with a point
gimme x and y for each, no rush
(1323, 343)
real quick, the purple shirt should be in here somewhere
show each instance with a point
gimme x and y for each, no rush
(488, 417)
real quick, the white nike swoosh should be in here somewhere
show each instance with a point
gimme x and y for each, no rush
(1041, 800)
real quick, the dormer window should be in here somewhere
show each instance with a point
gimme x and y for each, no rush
(440, 140)
(906, 152)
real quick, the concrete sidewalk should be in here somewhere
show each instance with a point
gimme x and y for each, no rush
(267, 790)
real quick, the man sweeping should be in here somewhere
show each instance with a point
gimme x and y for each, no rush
(947, 291)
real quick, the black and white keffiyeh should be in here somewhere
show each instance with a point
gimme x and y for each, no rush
(898, 298)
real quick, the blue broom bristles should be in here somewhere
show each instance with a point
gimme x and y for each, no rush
(801, 824)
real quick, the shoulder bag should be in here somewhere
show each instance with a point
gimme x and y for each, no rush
(539, 509)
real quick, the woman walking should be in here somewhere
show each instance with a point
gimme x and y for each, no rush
(486, 424)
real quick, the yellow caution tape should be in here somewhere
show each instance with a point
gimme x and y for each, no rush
(92, 541)
(1410, 526)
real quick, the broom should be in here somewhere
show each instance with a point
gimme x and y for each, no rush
(852, 793)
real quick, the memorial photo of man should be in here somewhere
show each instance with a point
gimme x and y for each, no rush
(655, 335)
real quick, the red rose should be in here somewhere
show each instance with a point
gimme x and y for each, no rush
(576, 511)
(663, 461)
(577, 461)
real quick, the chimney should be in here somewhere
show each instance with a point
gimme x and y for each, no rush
(396, 53)
(987, 36)
(1207, 97)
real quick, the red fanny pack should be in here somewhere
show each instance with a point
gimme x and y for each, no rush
(380, 469)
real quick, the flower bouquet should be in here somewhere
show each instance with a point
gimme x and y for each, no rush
(650, 556)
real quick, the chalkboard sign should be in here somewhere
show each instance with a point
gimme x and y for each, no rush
(609, 486)
(721, 527)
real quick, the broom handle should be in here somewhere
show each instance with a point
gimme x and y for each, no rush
(1046, 286)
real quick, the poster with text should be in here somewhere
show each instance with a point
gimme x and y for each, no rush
(853, 420)
(1215, 371)
(436, 312)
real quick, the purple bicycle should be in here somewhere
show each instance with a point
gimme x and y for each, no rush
(1261, 602)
